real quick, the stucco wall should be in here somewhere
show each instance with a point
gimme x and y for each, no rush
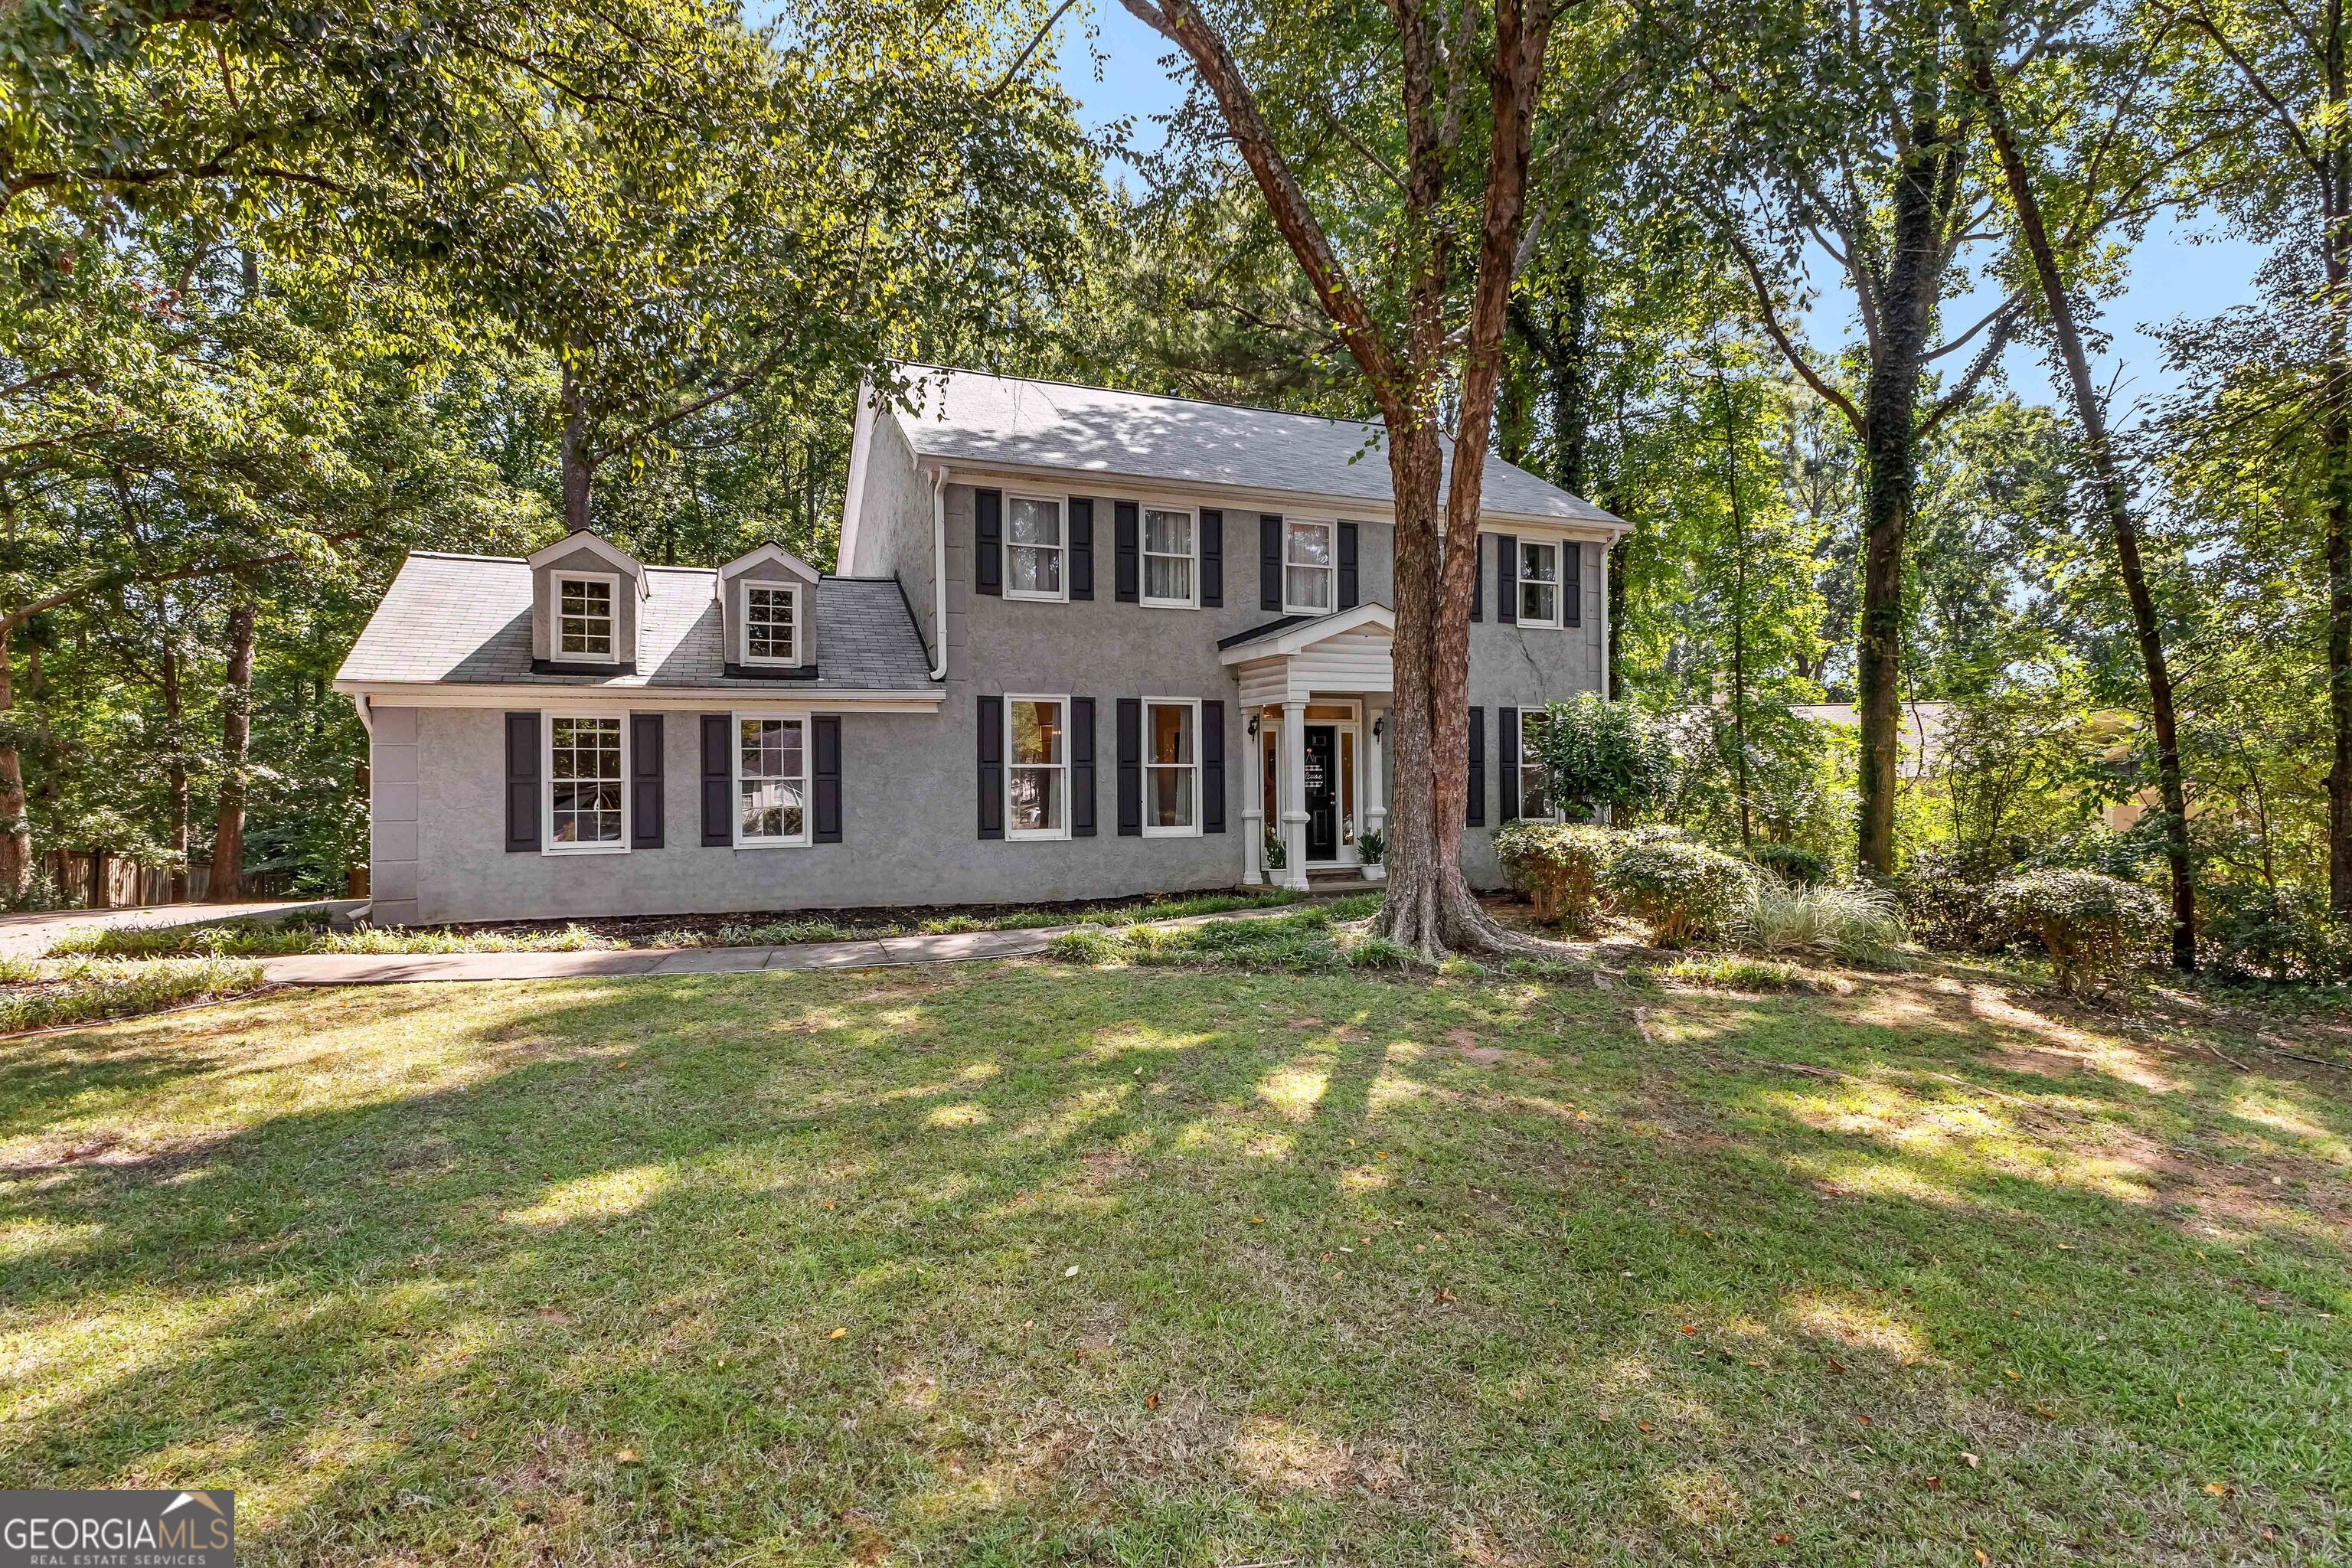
(894, 533)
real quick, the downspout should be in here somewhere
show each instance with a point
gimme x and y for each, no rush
(367, 716)
(940, 566)
(1608, 551)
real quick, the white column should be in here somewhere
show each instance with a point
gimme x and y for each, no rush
(1252, 799)
(1376, 798)
(1291, 778)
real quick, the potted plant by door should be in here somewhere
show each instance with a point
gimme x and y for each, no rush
(1371, 849)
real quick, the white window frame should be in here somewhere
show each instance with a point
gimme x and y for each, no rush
(1145, 555)
(808, 784)
(1554, 814)
(1150, 767)
(556, 580)
(1012, 766)
(1332, 531)
(1061, 550)
(547, 843)
(743, 654)
(1559, 584)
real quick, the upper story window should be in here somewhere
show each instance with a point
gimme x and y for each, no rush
(1309, 565)
(770, 782)
(1170, 767)
(771, 623)
(1170, 543)
(1535, 779)
(1034, 545)
(1538, 583)
(583, 616)
(1037, 767)
(587, 767)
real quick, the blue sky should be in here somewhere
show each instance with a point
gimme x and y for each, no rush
(2171, 274)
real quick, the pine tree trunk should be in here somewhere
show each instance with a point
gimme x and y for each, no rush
(236, 733)
(175, 773)
(2336, 444)
(578, 462)
(16, 831)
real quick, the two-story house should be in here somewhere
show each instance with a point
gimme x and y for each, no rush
(1078, 644)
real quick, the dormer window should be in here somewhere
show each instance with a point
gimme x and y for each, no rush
(771, 622)
(584, 616)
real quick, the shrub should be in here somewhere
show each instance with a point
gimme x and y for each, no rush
(88, 992)
(1731, 972)
(1847, 920)
(1792, 863)
(1684, 892)
(2091, 924)
(1559, 866)
(2254, 932)
(1945, 897)
(1601, 753)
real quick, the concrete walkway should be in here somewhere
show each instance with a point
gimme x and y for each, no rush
(404, 969)
(29, 935)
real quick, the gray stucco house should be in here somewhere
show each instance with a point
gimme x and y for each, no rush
(1078, 644)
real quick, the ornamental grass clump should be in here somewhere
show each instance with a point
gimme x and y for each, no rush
(1559, 866)
(1849, 921)
(1684, 892)
(2091, 924)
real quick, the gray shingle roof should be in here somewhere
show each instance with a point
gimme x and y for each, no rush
(467, 618)
(976, 417)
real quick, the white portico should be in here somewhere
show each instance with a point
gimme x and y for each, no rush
(1314, 693)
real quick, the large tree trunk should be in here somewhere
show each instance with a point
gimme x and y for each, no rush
(2335, 442)
(237, 732)
(15, 830)
(175, 769)
(2115, 497)
(1890, 452)
(578, 461)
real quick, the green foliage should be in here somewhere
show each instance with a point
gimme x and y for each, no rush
(1295, 942)
(1559, 867)
(1738, 972)
(86, 991)
(1602, 754)
(1791, 863)
(1684, 892)
(1855, 922)
(1372, 845)
(2091, 925)
(2255, 933)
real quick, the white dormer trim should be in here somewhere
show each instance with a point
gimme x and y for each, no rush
(596, 544)
(774, 555)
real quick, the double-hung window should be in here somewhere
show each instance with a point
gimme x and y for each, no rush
(1172, 766)
(1169, 545)
(1037, 767)
(1535, 779)
(587, 774)
(1309, 567)
(770, 782)
(1033, 549)
(771, 623)
(1538, 583)
(584, 615)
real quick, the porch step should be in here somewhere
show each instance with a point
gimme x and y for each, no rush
(1346, 880)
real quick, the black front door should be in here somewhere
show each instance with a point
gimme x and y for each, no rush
(1322, 781)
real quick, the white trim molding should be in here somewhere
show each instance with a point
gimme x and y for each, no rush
(547, 720)
(1060, 766)
(736, 720)
(797, 622)
(1191, 708)
(556, 652)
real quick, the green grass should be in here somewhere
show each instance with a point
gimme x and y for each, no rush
(309, 933)
(1738, 972)
(82, 992)
(1033, 1263)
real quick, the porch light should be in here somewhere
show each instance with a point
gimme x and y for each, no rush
(1253, 727)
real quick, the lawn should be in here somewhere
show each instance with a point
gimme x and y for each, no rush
(1042, 1262)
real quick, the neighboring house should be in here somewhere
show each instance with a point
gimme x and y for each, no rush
(1080, 643)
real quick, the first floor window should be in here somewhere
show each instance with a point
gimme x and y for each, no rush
(770, 624)
(1538, 585)
(771, 781)
(1310, 562)
(583, 618)
(1170, 767)
(1032, 538)
(1535, 779)
(1036, 777)
(1167, 556)
(584, 782)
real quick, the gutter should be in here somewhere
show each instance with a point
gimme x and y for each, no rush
(367, 715)
(940, 564)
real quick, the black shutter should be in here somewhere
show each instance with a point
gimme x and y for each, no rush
(1347, 566)
(522, 783)
(1130, 767)
(1082, 548)
(1477, 577)
(1571, 583)
(992, 767)
(1082, 767)
(1213, 559)
(1507, 744)
(988, 541)
(1212, 767)
(1130, 572)
(1475, 812)
(718, 779)
(646, 766)
(1269, 562)
(1507, 579)
(824, 777)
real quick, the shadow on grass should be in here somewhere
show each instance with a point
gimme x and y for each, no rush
(1023, 1262)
